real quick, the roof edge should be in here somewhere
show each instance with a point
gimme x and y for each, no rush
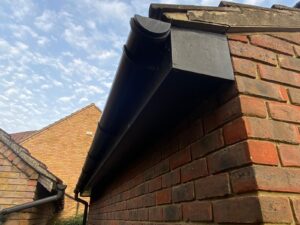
(46, 178)
(38, 132)
(229, 17)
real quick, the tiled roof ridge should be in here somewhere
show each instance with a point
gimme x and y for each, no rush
(25, 156)
(20, 136)
(60, 121)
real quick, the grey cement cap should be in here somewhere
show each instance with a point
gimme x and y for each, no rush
(229, 17)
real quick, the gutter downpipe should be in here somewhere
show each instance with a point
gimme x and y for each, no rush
(86, 205)
(60, 193)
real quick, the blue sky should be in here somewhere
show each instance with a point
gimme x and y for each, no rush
(58, 56)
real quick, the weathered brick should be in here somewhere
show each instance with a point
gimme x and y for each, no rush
(289, 63)
(260, 209)
(243, 153)
(172, 213)
(275, 74)
(149, 199)
(228, 157)
(183, 192)
(164, 196)
(244, 66)
(171, 178)
(297, 51)
(212, 186)
(156, 214)
(294, 96)
(155, 184)
(238, 37)
(272, 43)
(289, 154)
(207, 144)
(259, 88)
(292, 37)
(228, 111)
(234, 131)
(284, 112)
(269, 129)
(180, 158)
(251, 106)
(252, 52)
(296, 207)
(197, 211)
(266, 178)
(193, 170)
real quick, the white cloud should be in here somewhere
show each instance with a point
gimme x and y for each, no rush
(45, 22)
(66, 99)
(11, 92)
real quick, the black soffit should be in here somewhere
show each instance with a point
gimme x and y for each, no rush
(164, 72)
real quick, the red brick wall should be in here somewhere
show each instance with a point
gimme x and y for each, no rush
(18, 187)
(237, 162)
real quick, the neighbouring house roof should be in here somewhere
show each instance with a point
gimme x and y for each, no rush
(23, 136)
(20, 136)
(44, 176)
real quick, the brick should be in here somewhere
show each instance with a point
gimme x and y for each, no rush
(269, 129)
(266, 178)
(197, 211)
(164, 196)
(212, 186)
(253, 210)
(243, 180)
(193, 170)
(292, 37)
(259, 88)
(244, 66)
(234, 131)
(272, 43)
(297, 51)
(32, 182)
(207, 144)
(296, 208)
(294, 96)
(275, 74)
(229, 157)
(284, 93)
(172, 213)
(252, 52)
(149, 200)
(171, 179)
(180, 158)
(183, 192)
(263, 152)
(155, 184)
(289, 154)
(284, 112)
(251, 106)
(229, 111)
(289, 63)
(156, 214)
(238, 37)
(243, 153)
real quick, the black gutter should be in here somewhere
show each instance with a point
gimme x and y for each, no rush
(86, 205)
(60, 193)
(142, 58)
